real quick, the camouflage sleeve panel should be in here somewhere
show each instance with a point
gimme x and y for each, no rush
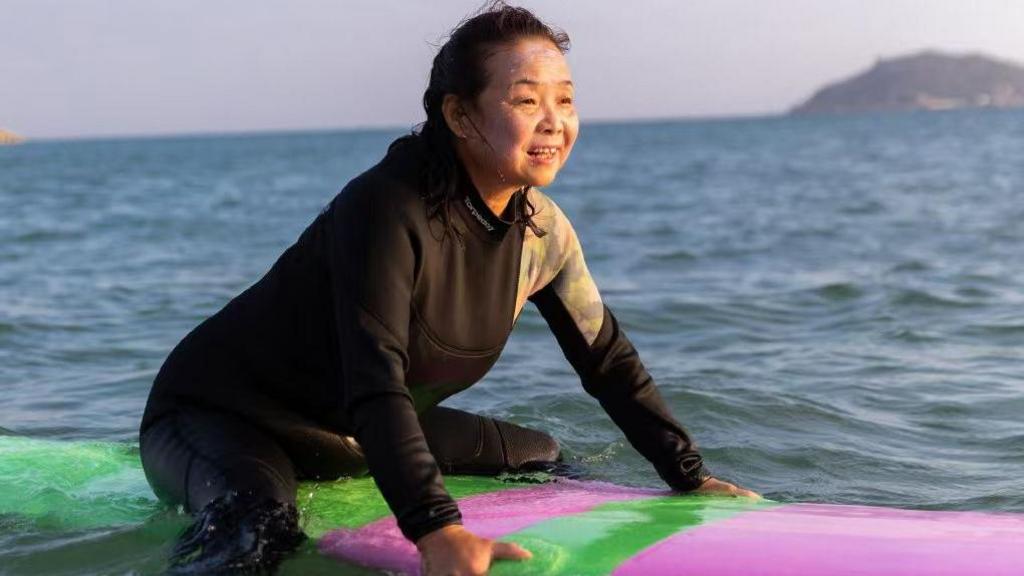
(556, 262)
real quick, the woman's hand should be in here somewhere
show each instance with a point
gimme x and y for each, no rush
(716, 487)
(453, 550)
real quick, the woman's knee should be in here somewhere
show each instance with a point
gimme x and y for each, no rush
(525, 446)
(466, 443)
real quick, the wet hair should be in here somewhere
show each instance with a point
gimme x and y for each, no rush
(459, 69)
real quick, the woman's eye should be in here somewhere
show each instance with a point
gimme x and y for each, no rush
(527, 101)
(567, 100)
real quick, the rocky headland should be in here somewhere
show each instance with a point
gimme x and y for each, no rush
(925, 81)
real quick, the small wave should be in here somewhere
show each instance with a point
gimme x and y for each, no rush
(866, 208)
(921, 298)
(1008, 500)
(911, 266)
(673, 256)
(974, 293)
(757, 315)
(997, 330)
(911, 336)
(46, 236)
(1001, 447)
(839, 291)
(943, 413)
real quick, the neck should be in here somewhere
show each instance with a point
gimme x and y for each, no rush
(497, 201)
(492, 188)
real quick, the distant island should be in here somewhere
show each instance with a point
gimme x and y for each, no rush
(925, 81)
(7, 138)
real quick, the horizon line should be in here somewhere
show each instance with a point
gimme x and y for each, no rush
(284, 131)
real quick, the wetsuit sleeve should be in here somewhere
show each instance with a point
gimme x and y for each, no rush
(611, 371)
(372, 259)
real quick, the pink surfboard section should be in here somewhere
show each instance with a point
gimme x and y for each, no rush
(381, 545)
(813, 539)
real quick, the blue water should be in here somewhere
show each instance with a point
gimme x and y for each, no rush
(833, 306)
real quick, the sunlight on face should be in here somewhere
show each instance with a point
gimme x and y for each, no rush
(525, 116)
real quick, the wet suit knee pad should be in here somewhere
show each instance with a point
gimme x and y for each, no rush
(465, 443)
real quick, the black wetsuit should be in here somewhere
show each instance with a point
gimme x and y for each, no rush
(363, 326)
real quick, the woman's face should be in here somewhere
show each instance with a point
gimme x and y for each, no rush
(522, 127)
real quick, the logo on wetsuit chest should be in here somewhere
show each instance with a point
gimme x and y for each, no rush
(476, 214)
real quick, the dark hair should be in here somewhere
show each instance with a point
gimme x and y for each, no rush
(459, 69)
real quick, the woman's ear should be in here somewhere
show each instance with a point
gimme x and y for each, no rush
(454, 115)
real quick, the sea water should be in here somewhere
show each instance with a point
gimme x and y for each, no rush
(833, 306)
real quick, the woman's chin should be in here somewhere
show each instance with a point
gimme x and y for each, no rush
(541, 178)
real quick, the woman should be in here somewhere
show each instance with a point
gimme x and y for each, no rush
(401, 293)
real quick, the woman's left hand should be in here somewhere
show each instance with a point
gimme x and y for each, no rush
(716, 487)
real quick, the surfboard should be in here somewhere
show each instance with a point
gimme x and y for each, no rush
(571, 526)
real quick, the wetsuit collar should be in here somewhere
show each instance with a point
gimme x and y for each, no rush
(477, 214)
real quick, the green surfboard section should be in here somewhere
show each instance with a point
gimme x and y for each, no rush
(597, 541)
(65, 485)
(354, 502)
(73, 485)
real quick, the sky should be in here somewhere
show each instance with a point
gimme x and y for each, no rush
(82, 68)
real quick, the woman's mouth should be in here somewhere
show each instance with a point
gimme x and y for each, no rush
(543, 154)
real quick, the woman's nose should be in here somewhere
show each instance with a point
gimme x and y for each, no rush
(552, 121)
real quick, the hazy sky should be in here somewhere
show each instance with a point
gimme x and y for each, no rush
(105, 67)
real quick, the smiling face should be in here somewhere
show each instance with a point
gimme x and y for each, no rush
(521, 129)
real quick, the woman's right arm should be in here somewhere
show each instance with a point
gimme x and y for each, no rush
(371, 260)
(372, 255)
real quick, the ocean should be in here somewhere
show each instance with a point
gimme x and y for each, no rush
(833, 306)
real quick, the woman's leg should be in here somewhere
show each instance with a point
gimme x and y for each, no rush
(461, 442)
(237, 480)
(466, 443)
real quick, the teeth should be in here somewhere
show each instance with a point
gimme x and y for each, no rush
(544, 151)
